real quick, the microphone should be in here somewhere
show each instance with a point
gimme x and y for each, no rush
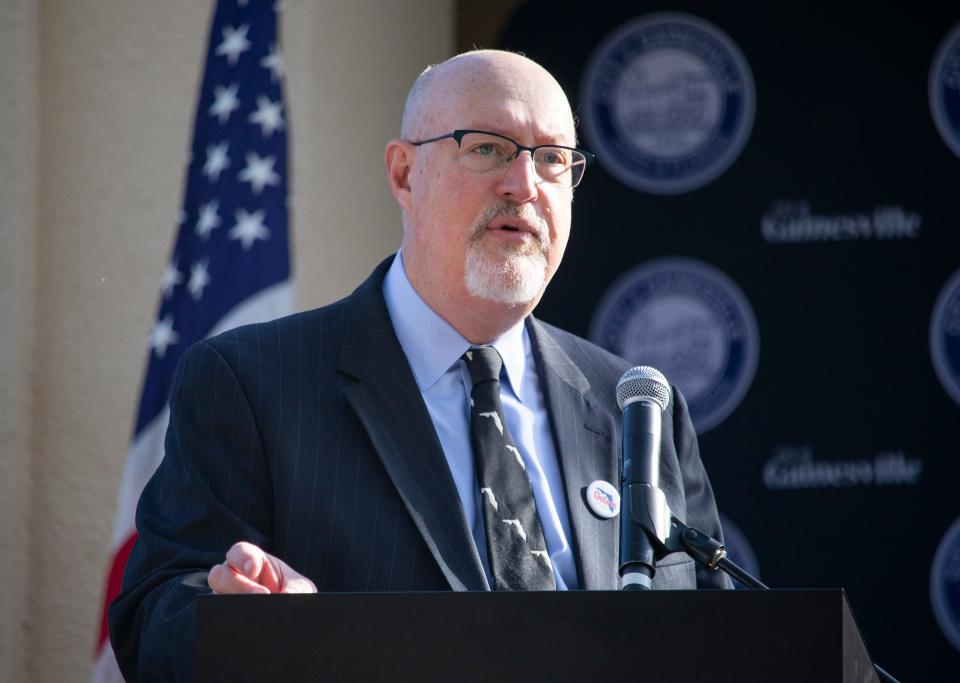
(642, 394)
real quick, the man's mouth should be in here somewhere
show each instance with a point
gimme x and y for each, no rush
(519, 236)
(513, 226)
(512, 229)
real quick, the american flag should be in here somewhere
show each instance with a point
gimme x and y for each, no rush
(231, 261)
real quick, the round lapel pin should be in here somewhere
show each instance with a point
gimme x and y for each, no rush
(603, 499)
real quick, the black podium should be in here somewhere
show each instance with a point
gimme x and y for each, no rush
(659, 636)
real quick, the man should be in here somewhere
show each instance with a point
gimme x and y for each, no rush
(340, 449)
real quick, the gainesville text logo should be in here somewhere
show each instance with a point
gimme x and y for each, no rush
(794, 467)
(792, 222)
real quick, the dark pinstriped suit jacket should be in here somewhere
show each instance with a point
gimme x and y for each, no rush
(309, 437)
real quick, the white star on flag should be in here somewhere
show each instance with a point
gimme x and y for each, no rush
(274, 62)
(225, 100)
(217, 160)
(199, 278)
(163, 335)
(267, 116)
(249, 228)
(208, 220)
(259, 172)
(234, 42)
(171, 278)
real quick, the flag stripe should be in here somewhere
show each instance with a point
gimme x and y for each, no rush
(114, 579)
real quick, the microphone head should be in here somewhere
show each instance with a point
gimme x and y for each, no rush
(643, 383)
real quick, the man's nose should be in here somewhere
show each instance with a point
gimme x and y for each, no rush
(520, 181)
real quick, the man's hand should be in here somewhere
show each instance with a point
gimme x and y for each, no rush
(247, 569)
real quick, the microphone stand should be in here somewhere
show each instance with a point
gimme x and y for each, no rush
(647, 507)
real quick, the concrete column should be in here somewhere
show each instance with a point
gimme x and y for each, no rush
(19, 107)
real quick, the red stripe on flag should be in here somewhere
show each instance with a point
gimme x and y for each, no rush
(114, 582)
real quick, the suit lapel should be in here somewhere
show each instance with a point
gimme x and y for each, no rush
(583, 435)
(388, 403)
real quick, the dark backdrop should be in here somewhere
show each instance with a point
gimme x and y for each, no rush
(839, 464)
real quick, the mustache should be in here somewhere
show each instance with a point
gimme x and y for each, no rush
(512, 211)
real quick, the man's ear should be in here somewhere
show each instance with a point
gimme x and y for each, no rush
(398, 158)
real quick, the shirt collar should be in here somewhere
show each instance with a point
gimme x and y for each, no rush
(432, 345)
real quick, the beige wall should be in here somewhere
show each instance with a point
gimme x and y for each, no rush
(18, 189)
(96, 102)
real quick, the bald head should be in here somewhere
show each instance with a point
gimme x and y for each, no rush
(470, 76)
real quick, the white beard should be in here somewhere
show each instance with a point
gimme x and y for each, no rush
(515, 274)
(512, 278)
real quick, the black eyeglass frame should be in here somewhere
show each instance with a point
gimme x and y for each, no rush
(458, 134)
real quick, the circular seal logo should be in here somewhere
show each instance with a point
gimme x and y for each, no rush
(668, 102)
(691, 322)
(739, 549)
(944, 89)
(945, 584)
(945, 336)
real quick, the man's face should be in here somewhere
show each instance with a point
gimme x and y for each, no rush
(496, 236)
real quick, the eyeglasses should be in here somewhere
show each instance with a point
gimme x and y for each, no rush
(485, 152)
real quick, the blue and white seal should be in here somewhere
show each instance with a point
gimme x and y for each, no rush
(945, 336)
(691, 322)
(945, 584)
(668, 102)
(944, 89)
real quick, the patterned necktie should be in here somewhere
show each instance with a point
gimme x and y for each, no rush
(518, 553)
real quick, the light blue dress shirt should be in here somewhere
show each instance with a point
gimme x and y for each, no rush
(434, 349)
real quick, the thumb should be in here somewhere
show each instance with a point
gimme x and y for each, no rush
(294, 582)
